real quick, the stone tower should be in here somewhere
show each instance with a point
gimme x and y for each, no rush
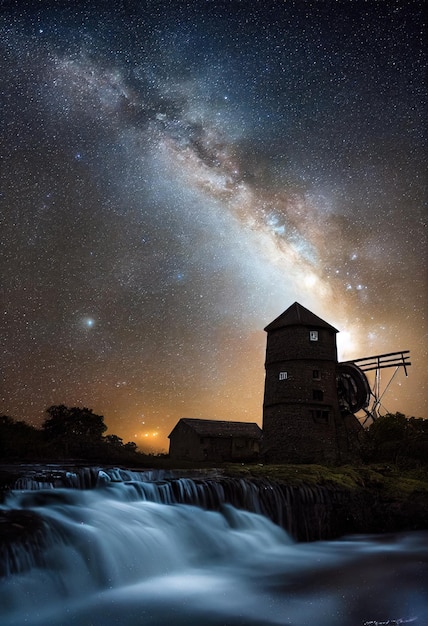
(302, 422)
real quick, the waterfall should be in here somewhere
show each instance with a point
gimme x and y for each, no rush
(114, 547)
(307, 512)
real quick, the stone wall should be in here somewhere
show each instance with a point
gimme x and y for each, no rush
(293, 343)
(292, 435)
(301, 417)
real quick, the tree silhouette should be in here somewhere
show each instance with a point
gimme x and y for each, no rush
(388, 428)
(67, 432)
(114, 440)
(18, 440)
(131, 446)
(74, 429)
(397, 439)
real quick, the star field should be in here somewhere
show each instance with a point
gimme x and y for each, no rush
(175, 174)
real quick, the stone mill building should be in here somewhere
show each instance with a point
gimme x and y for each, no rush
(302, 419)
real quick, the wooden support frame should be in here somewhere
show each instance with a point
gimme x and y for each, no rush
(397, 360)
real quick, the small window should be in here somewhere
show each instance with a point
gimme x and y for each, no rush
(316, 375)
(317, 394)
(320, 417)
(313, 335)
(283, 375)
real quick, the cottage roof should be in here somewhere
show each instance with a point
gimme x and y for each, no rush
(297, 315)
(219, 428)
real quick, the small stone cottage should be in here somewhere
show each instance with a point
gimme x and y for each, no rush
(214, 440)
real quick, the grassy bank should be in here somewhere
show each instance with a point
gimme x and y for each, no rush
(383, 477)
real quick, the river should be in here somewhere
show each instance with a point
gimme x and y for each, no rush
(115, 555)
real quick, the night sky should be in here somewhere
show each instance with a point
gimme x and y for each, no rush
(174, 175)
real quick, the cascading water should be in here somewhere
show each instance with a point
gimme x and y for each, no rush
(125, 552)
(307, 512)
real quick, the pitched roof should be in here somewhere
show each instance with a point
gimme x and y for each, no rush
(219, 428)
(297, 315)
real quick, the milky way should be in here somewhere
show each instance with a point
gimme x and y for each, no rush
(175, 175)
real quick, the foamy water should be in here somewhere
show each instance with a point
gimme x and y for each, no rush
(112, 557)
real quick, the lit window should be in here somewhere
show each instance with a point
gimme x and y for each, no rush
(283, 375)
(313, 335)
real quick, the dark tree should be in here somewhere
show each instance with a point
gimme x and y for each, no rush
(114, 440)
(74, 430)
(388, 428)
(116, 450)
(397, 439)
(18, 440)
(66, 432)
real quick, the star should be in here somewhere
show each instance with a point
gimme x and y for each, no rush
(88, 322)
(184, 176)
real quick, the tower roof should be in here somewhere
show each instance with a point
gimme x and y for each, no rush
(297, 315)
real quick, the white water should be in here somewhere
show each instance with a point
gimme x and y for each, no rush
(115, 560)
